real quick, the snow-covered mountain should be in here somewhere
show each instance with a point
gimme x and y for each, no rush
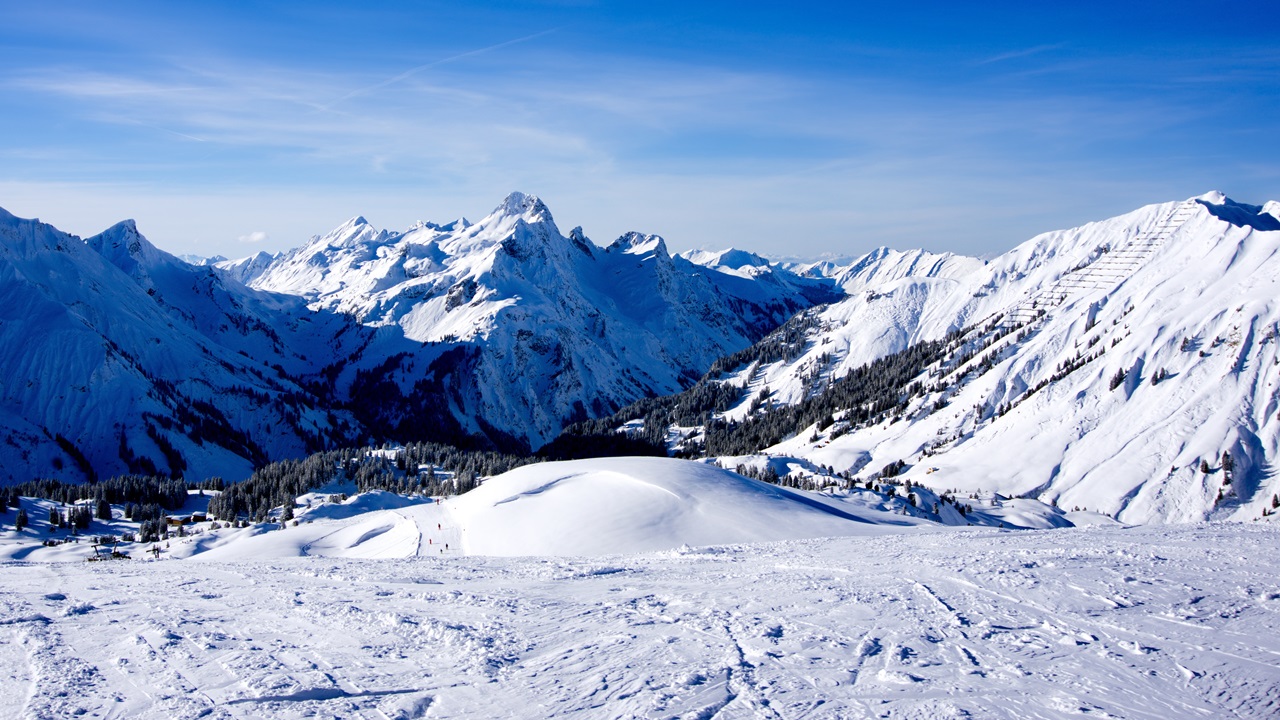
(555, 328)
(245, 270)
(201, 260)
(121, 357)
(1106, 366)
(118, 357)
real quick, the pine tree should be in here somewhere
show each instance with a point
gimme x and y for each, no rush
(1118, 378)
(21, 520)
(79, 517)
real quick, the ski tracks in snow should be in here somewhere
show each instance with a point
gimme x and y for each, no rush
(1134, 623)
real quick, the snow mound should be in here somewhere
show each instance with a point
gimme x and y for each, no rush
(628, 505)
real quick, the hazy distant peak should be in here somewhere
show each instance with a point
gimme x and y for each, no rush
(635, 243)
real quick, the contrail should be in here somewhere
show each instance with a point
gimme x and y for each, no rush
(420, 68)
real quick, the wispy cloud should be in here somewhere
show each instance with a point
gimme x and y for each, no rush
(435, 63)
(1017, 54)
(706, 153)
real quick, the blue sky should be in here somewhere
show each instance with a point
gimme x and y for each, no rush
(790, 129)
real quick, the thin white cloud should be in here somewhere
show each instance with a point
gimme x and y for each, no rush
(435, 63)
(256, 236)
(1025, 52)
(614, 144)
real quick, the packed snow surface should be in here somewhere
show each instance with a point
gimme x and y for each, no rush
(1152, 622)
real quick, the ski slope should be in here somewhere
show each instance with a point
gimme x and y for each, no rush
(1154, 622)
(647, 588)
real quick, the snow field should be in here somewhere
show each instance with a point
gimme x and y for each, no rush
(610, 505)
(1152, 622)
(579, 508)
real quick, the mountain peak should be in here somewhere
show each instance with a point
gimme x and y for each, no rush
(460, 224)
(356, 231)
(522, 205)
(728, 259)
(1239, 214)
(123, 246)
(634, 243)
(1213, 197)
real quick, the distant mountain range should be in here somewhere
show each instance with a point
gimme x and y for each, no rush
(122, 358)
(1128, 366)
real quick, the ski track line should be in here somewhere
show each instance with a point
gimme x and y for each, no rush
(1199, 702)
(17, 682)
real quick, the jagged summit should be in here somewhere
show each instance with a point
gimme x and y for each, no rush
(636, 243)
(581, 241)
(589, 329)
(126, 248)
(520, 204)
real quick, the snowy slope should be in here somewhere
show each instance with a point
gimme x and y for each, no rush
(1121, 623)
(590, 507)
(245, 270)
(583, 507)
(557, 328)
(119, 357)
(575, 508)
(1188, 290)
